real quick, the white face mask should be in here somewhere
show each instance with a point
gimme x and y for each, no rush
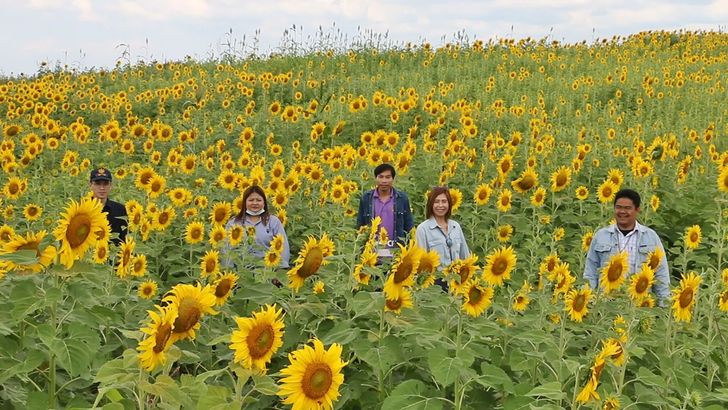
(259, 213)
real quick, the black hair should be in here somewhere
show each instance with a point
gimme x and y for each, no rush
(384, 167)
(629, 194)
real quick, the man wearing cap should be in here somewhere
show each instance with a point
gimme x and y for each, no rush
(100, 185)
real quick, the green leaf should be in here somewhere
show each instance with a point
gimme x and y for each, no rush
(650, 379)
(494, 377)
(550, 390)
(446, 369)
(167, 390)
(343, 333)
(21, 257)
(410, 395)
(265, 384)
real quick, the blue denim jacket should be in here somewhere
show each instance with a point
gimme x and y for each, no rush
(605, 244)
(403, 222)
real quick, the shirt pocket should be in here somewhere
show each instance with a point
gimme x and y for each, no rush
(603, 247)
(437, 243)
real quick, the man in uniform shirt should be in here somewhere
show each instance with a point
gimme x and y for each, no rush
(100, 184)
(627, 235)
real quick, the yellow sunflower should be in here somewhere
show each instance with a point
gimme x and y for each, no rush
(153, 349)
(309, 261)
(606, 191)
(654, 259)
(429, 261)
(692, 237)
(641, 283)
(614, 272)
(217, 235)
(476, 298)
(210, 265)
(504, 232)
(581, 193)
(101, 253)
(32, 212)
(6, 233)
(403, 269)
(147, 289)
(560, 179)
(30, 242)
(403, 300)
(224, 287)
(313, 378)
(723, 180)
(576, 303)
(723, 301)
(463, 270)
(527, 180)
(236, 235)
(163, 219)
(482, 194)
(684, 297)
(194, 232)
(498, 266)
(586, 240)
(139, 265)
(504, 200)
(257, 338)
(319, 287)
(77, 230)
(191, 302)
(538, 198)
(220, 213)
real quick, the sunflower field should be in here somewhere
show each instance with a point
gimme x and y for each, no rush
(532, 137)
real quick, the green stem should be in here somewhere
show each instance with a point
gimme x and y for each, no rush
(51, 355)
(459, 395)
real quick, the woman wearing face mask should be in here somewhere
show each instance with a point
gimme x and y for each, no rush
(255, 213)
(439, 232)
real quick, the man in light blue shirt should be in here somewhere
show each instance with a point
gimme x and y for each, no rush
(627, 235)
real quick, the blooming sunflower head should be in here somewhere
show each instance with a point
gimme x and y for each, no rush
(78, 228)
(476, 298)
(498, 266)
(613, 273)
(192, 303)
(153, 349)
(258, 337)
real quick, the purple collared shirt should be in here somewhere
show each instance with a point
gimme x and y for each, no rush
(385, 210)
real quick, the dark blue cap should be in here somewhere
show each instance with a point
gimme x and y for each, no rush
(100, 174)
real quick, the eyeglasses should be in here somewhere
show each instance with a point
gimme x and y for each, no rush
(623, 207)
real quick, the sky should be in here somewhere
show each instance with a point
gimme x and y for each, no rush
(93, 34)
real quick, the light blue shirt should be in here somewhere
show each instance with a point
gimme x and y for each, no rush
(451, 246)
(264, 235)
(609, 241)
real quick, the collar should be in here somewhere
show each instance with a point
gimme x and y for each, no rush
(432, 224)
(637, 227)
(376, 193)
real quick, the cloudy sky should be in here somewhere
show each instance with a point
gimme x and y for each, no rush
(97, 33)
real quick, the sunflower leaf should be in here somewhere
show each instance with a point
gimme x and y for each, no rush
(550, 390)
(412, 394)
(446, 369)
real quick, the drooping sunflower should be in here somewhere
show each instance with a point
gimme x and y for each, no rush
(30, 242)
(403, 269)
(498, 266)
(210, 264)
(614, 272)
(560, 179)
(78, 227)
(527, 181)
(313, 378)
(192, 303)
(692, 237)
(576, 303)
(641, 283)
(257, 338)
(153, 349)
(309, 261)
(224, 287)
(395, 303)
(476, 298)
(194, 232)
(463, 270)
(684, 297)
(147, 289)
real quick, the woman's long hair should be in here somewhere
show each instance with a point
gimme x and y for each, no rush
(254, 189)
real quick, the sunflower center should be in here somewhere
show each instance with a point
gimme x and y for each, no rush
(210, 266)
(317, 380)
(394, 304)
(499, 266)
(724, 297)
(78, 230)
(189, 315)
(526, 183)
(474, 295)
(161, 337)
(196, 233)
(560, 180)
(641, 285)
(163, 218)
(693, 237)
(686, 297)
(223, 288)
(614, 272)
(260, 340)
(30, 246)
(579, 302)
(404, 270)
(312, 263)
(654, 262)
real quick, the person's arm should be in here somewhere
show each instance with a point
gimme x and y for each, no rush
(278, 229)
(464, 251)
(591, 265)
(408, 221)
(421, 237)
(360, 217)
(661, 287)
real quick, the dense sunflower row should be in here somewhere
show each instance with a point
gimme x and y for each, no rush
(533, 138)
